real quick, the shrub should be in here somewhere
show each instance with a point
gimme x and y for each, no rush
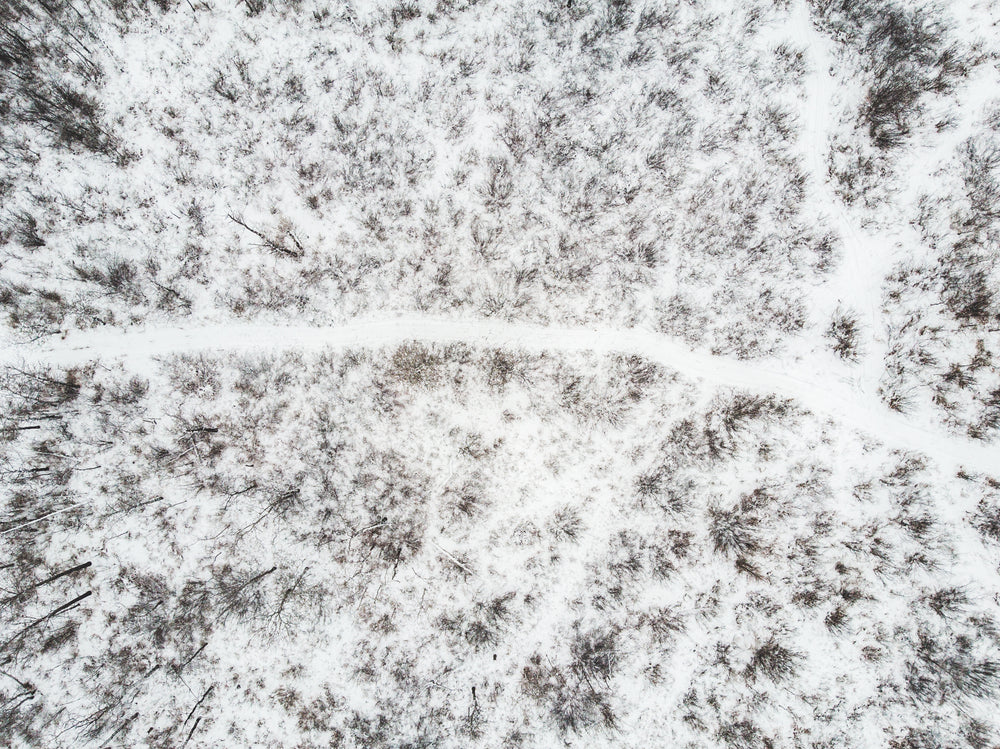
(889, 105)
(239, 593)
(118, 275)
(843, 333)
(732, 531)
(987, 520)
(947, 602)
(595, 654)
(482, 626)
(573, 701)
(905, 50)
(662, 623)
(941, 670)
(71, 116)
(836, 620)
(38, 65)
(978, 735)
(38, 391)
(129, 393)
(742, 734)
(774, 661)
(640, 374)
(499, 184)
(896, 399)
(130, 10)
(743, 408)
(501, 368)
(650, 483)
(415, 364)
(27, 231)
(967, 290)
(566, 524)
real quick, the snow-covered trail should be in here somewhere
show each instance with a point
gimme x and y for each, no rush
(867, 257)
(826, 396)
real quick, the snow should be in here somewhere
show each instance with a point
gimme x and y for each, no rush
(828, 396)
(507, 413)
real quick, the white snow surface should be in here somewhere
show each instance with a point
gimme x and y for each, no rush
(433, 320)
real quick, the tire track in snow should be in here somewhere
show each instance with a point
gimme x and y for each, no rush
(826, 396)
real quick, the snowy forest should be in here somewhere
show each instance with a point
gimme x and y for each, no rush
(526, 373)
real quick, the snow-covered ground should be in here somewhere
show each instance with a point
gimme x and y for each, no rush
(816, 391)
(487, 374)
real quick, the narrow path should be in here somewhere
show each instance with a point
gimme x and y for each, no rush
(867, 257)
(140, 347)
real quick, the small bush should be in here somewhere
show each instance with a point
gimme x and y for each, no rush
(128, 393)
(649, 484)
(118, 275)
(574, 702)
(889, 106)
(967, 289)
(742, 735)
(662, 623)
(896, 400)
(130, 10)
(483, 627)
(947, 602)
(978, 735)
(987, 520)
(950, 668)
(774, 661)
(415, 364)
(843, 334)
(595, 654)
(909, 59)
(566, 524)
(501, 367)
(836, 620)
(499, 184)
(27, 232)
(732, 532)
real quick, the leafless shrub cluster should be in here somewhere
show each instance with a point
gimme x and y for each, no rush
(577, 696)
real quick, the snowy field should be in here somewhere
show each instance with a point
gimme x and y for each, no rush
(590, 373)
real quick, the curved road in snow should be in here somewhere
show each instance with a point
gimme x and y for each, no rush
(823, 395)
